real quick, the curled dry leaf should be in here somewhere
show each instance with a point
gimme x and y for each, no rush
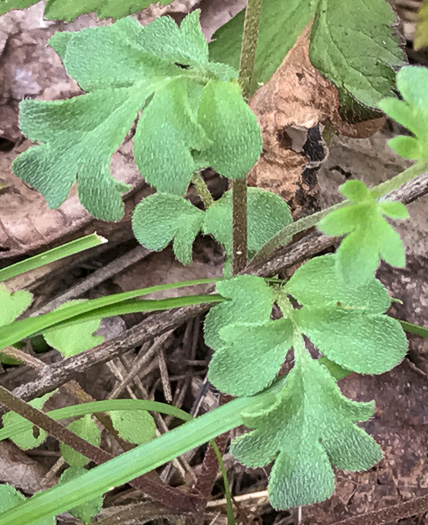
(290, 108)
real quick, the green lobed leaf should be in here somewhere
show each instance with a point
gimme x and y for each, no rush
(29, 438)
(411, 112)
(165, 136)
(369, 237)
(353, 45)
(250, 300)
(86, 429)
(88, 510)
(250, 357)
(273, 42)
(312, 428)
(75, 339)
(267, 215)
(134, 426)
(10, 497)
(346, 323)
(162, 218)
(231, 126)
(13, 304)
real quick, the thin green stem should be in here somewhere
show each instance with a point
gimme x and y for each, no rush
(240, 225)
(202, 189)
(405, 176)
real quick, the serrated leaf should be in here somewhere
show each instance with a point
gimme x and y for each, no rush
(411, 112)
(354, 46)
(74, 339)
(346, 323)
(311, 428)
(250, 357)
(80, 136)
(165, 136)
(134, 426)
(10, 497)
(267, 215)
(86, 429)
(13, 304)
(88, 510)
(29, 438)
(232, 128)
(369, 236)
(250, 301)
(162, 218)
(273, 42)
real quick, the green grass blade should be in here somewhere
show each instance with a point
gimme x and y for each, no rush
(60, 252)
(99, 406)
(14, 332)
(138, 461)
(414, 329)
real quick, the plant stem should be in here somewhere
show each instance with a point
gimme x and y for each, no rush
(405, 176)
(202, 189)
(239, 186)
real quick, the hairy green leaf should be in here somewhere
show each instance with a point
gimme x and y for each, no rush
(86, 429)
(250, 300)
(162, 218)
(353, 45)
(13, 304)
(312, 428)
(346, 323)
(75, 339)
(10, 497)
(411, 112)
(231, 126)
(267, 215)
(29, 438)
(369, 237)
(89, 510)
(134, 426)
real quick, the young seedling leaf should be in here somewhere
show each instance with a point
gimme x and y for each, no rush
(74, 339)
(411, 112)
(250, 357)
(162, 218)
(353, 45)
(165, 136)
(89, 510)
(250, 301)
(312, 428)
(346, 323)
(86, 429)
(10, 497)
(13, 304)
(267, 215)
(31, 437)
(236, 141)
(369, 237)
(134, 426)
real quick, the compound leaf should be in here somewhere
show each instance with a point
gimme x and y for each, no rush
(31, 437)
(346, 323)
(86, 429)
(134, 426)
(13, 304)
(165, 136)
(88, 510)
(231, 126)
(250, 357)
(162, 218)
(267, 215)
(369, 236)
(312, 428)
(74, 339)
(250, 301)
(10, 497)
(353, 45)
(411, 112)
